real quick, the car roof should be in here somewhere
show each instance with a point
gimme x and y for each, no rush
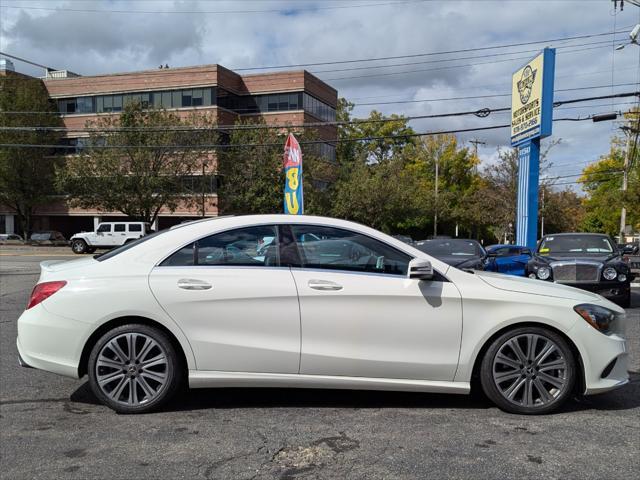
(566, 234)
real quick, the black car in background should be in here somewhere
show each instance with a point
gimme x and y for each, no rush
(457, 252)
(590, 261)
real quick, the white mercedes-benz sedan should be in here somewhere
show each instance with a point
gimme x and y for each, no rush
(303, 301)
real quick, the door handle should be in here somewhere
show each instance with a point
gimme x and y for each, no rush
(193, 284)
(324, 285)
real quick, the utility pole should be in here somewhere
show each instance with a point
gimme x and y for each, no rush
(435, 213)
(625, 182)
(475, 142)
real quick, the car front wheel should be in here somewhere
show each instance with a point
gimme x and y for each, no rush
(528, 370)
(79, 246)
(134, 369)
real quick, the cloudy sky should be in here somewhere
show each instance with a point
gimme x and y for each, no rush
(106, 36)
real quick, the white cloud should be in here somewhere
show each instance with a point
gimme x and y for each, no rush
(91, 43)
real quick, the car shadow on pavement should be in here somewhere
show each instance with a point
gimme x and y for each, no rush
(625, 398)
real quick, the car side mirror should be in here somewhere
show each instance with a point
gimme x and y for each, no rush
(420, 269)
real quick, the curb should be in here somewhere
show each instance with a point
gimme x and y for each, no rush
(635, 284)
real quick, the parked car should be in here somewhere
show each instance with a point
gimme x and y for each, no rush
(48, 238)
(631, 255)
(590, 261)
(108, 235)
(142, 319)
(509, 259)
(11, 239)
(457, 252)
(404, 238)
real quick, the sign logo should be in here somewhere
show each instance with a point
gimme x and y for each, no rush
(525, 84)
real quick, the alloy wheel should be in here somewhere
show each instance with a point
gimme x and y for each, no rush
(132, 369)
(530, 370)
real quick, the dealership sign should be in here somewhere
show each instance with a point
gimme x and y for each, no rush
(293, 198)
(531, 120)
(532, 98)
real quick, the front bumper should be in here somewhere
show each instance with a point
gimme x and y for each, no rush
(604, 357)
(614, 291)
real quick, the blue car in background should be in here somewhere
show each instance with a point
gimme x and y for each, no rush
(508, 259)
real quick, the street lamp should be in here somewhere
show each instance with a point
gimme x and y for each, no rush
(633, 37)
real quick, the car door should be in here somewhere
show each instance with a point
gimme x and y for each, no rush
(119, 234)
(233, 300)
(521, 260)
(103, 236)
(362, 316)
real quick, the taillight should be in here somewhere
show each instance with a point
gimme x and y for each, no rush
(44, 290)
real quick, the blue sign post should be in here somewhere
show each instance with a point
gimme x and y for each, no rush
(531, 120)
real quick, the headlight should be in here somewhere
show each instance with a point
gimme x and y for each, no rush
(610, 273)
(622, 277)
(544, 273)
(601, 318)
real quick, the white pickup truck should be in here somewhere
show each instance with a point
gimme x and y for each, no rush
(108, 235)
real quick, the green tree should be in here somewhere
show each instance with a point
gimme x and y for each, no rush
(251, 169)
(131, 164)
(26, 173)
(602, 182)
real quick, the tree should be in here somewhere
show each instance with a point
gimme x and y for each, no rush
(251, 169)
(131, 163)
(602, 182)
(26, 173)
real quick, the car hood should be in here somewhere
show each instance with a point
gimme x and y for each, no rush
(559, 257)
(535, 287)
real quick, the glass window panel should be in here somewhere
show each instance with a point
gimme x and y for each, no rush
(100, 104)
(283, 101)
(176, 98)
(206, 96)
(337, 249)
(293, 101)
(166, 99)
(196, 97)
(252, 246)
(108, 103)
(186, 98)
(117, 103)
(157, 99)
(272, 103)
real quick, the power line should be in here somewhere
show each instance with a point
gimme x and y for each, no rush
(212, 12)
(449, 67)
(481, 113)
(272, 144)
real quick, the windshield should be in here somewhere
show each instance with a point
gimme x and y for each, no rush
(464, 248)
(41, 236)
(575, 244)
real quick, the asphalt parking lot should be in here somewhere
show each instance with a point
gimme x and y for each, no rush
(53, 427)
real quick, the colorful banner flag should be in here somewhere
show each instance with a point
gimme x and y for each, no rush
(293, 198)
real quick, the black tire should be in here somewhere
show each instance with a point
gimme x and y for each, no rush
(498, 390)
(79, 246)
(133, 372)
(626, 300)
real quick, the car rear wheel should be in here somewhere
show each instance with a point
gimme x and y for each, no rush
(79, 246)
(134, 369)
(528, 370)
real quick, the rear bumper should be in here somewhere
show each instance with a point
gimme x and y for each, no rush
(50, 342)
